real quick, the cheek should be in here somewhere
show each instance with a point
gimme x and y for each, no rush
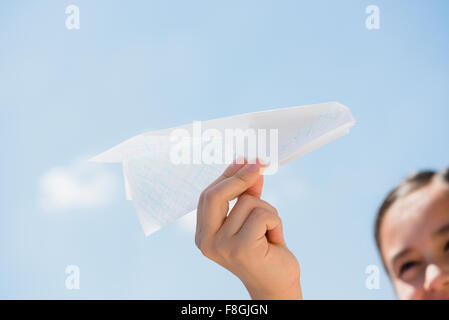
(408, 291)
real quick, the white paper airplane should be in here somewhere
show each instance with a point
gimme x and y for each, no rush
(164, 186)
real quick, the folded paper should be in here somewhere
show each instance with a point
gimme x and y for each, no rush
(165, 173)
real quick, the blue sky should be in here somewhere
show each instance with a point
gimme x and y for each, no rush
(134, 66)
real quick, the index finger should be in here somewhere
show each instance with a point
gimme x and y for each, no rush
(237, 164)
(216, 199)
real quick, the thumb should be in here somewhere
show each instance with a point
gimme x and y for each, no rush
(256, 189)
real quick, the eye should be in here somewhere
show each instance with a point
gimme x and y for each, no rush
(446, 247)
(407, 266)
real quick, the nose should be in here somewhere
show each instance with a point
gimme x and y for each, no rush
(436, 278)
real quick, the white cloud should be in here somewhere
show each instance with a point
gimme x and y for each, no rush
(79, 185)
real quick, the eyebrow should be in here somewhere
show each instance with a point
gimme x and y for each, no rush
(400, 254)
(442, 230)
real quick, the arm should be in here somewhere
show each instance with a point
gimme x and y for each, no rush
(249, 241)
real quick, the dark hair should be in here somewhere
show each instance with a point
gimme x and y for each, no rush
(407, 186)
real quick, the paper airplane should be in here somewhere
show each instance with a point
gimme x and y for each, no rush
(166, 170)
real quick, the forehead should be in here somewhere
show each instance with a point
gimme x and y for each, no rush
(414, 218)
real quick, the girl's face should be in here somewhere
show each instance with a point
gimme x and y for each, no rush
(415, 243)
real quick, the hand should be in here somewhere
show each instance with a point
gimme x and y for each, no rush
(249, 241)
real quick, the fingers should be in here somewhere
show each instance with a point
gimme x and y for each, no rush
(216, 198)
(262, 223)
(229, 171)
(237, 164)
(240, 212)
(256, 188)
(245, 178)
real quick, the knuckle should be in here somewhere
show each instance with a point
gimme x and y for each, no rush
(205, 248)
(278, 220)
(210, 194)
(247, 198)
(226, 174)
(201, 199)
(258, 214)
(242, 180)
(274, 211)
(271, 207)
(272, 217)
(213, 248)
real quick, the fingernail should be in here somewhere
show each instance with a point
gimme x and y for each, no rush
(238, 162)
(253, 167)
(265, 161)
(261, 162)
(258, 161)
